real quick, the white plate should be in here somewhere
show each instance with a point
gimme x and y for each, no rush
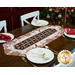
(40, 23)
(70, 36)
(11, 35)
(34, 55)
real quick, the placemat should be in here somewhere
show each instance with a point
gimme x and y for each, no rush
(36, 38)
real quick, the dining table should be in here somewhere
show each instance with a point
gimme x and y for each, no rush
(57, 45)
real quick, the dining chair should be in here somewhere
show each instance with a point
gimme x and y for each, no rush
(24, 17)
(3, 24)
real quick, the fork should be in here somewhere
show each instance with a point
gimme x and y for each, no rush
(25, 60)
(65, 37)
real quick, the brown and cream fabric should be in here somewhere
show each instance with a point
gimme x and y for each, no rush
(36, 38)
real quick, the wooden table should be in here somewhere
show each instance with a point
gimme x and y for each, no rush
(57, 45)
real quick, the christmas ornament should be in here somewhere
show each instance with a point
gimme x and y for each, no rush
(59, 22)
(67, 16)
(48, 16)
(59, 16)
(72, 10)
(56, 10)
(62, 20)
(50, 9)
(69, 8)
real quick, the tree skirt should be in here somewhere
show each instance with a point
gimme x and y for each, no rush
(36, 38)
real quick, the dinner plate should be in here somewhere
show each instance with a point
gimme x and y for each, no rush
(11, 35)
(35, 55)
(70, 36)
(39, 23)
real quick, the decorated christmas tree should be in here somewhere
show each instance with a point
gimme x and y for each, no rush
(62, 14)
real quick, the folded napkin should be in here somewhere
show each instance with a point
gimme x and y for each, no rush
(5, 37)
(70, 31)
(38, 22)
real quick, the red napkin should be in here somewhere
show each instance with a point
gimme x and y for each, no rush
(5, 37)
(70, 31)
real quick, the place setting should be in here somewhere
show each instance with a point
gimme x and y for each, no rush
(6, 37)
(38, 56)
(39, 23)
(69, 33)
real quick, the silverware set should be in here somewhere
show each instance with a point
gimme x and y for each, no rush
(25, 60)
(55, 52)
